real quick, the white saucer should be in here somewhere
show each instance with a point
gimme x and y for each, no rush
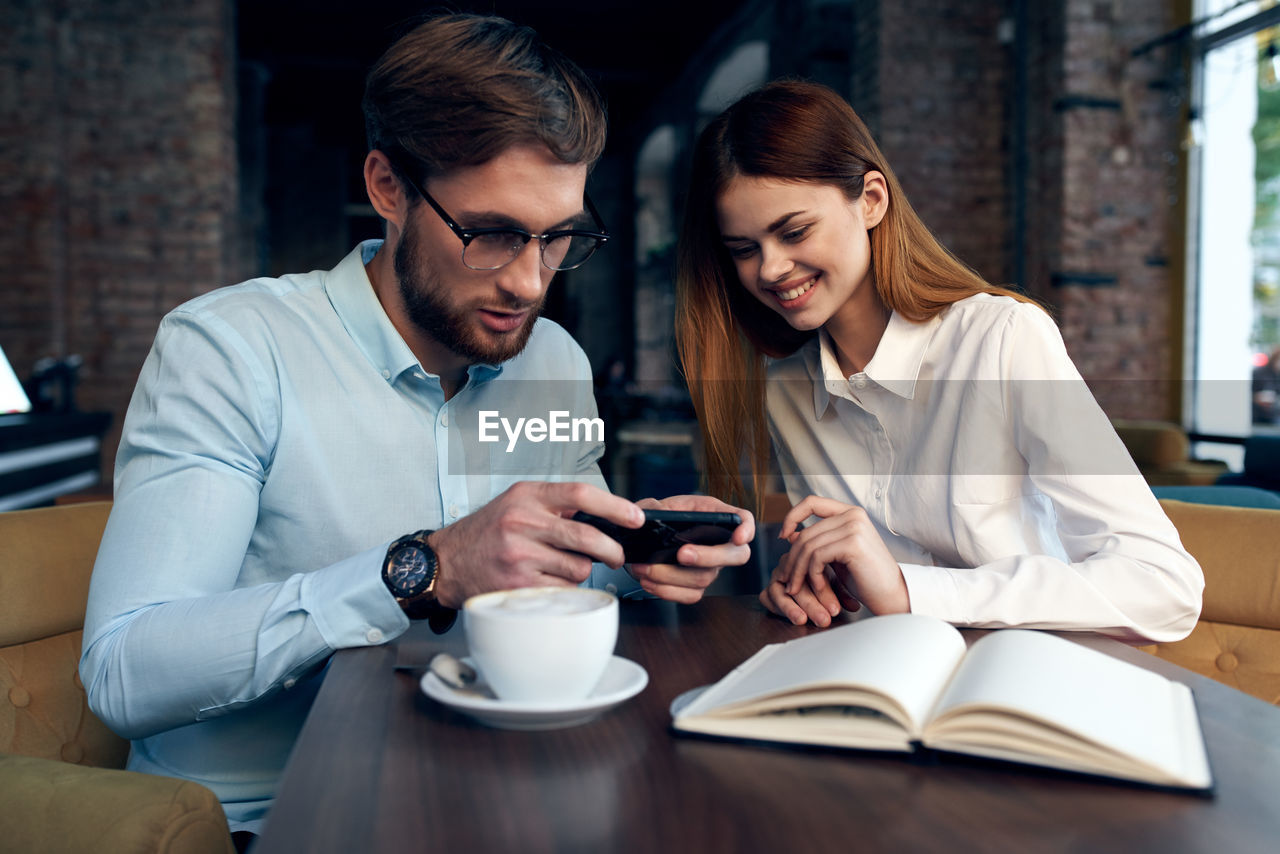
(622, 680)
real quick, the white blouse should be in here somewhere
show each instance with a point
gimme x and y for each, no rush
(990, 471)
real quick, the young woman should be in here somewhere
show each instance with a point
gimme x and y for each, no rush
(933, 423)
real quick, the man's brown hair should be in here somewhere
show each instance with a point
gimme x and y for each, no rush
(458, 90)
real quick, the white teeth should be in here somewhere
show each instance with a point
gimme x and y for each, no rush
(797, 291)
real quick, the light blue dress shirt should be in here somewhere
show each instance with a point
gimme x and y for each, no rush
(281, 435)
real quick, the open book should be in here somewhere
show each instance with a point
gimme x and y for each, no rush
(899, 681)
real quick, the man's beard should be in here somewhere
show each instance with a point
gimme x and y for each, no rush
(454, 326)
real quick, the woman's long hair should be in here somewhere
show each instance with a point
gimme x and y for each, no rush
(790, 131)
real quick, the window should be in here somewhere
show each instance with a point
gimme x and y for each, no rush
(1235, 309)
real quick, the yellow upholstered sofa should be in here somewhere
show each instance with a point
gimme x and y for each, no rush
(1237, 640)
(61, 784)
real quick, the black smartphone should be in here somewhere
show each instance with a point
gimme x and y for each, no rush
(665, 531)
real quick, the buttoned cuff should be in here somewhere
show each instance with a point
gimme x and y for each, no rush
(350, 603)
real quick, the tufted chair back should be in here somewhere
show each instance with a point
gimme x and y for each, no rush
(60, 790)
(1237, 640)
(46, 558)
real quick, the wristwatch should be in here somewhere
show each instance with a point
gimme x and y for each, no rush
(410, 573)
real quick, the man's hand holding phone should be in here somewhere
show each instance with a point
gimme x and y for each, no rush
(525, 538)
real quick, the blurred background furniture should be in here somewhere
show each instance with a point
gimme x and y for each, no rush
(1221, 493)
(1237, 640)
(654, 459)
(48, 447)
(766, 548)
(47, 454)
(61, 784)
(1162, 452)
(1261, 464)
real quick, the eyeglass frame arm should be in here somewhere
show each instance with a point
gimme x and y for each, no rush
(466, 235)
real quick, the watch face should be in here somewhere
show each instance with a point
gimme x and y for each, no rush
(407, 571)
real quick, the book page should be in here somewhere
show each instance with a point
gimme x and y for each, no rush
(1121, 708)
(906, 657)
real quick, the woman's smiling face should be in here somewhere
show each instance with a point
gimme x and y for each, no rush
(799, 247)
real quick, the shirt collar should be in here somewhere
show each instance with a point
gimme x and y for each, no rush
(352, 296)
(895, 366)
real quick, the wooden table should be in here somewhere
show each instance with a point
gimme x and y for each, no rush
(380, 767)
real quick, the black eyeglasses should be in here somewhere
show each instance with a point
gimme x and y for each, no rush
(493, 248)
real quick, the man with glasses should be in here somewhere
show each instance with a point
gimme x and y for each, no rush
(300, 471)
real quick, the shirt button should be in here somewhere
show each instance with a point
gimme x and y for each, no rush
(879, 492)
(289, 683)
(373, 636)
(386, 375)
(860, 382)
(611, 588)
(444, 419)
(453, 511)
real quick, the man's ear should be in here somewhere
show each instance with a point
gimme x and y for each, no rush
(875, 198)
(386, 194)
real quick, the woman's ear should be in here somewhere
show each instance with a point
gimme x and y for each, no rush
(875, 198)
(386, 194)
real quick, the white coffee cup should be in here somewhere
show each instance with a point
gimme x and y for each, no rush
(542, 644)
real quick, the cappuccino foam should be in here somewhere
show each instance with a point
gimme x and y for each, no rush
(547, 602)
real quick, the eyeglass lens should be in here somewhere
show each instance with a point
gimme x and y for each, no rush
(496, 249)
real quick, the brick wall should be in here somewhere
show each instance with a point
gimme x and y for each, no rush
(1115, 275)
(1101, 162)
(118, 177)
(943, 77)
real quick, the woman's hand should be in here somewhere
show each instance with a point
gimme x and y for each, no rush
(805, 605)
(844, 543)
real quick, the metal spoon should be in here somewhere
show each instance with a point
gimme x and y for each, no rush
(458, 675)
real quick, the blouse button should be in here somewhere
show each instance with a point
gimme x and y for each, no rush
(373, 635)
(19, 696)
(1227, 662)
